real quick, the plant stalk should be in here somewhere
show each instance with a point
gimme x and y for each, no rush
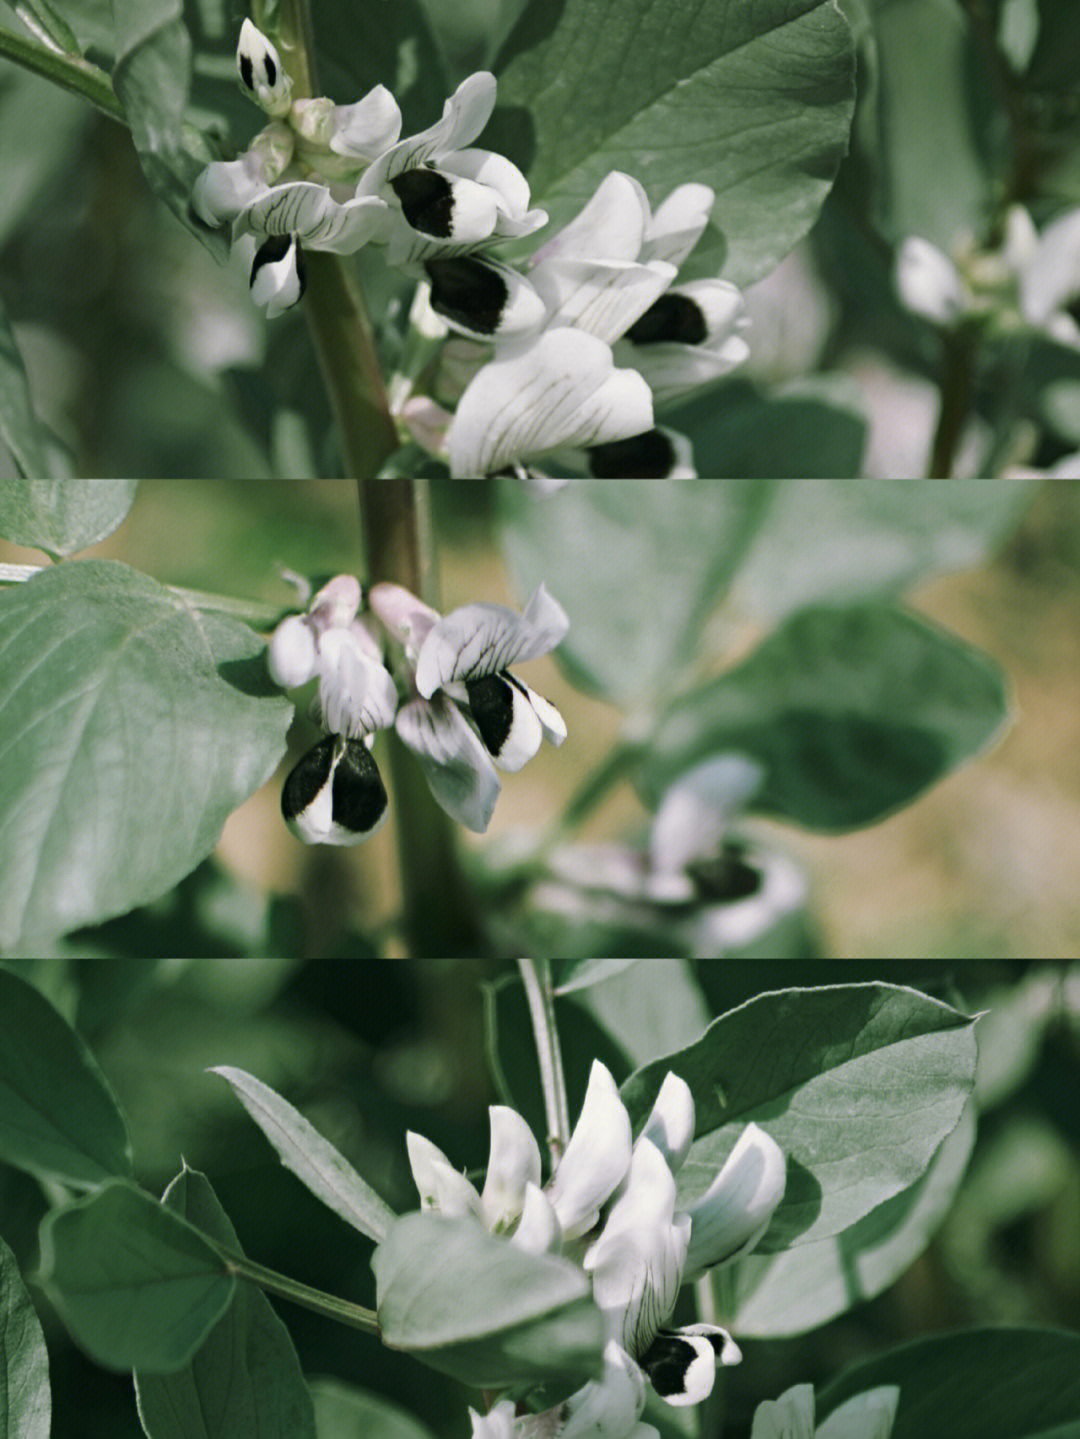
(71, 72)
(303, 1294)
(958, 368)
(536, 977)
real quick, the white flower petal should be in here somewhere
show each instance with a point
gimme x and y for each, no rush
(560, 389)
(682, 1362)
(551, 721)
(865, 1416)
(290, 655)
(538, 1231)
(456, 765)
(637, 1262)
(611, 226)
(441, 1187)
(1050, 278)
(408, 619)
(670, 1125)
(513, 1164)
(357, 694)
(277, 274)
(657, 454)
(483, 639)
(596, 1159)
(497, 1423)
(494, 171)
(734, 1212)
(608, 1407)
(600, 297)
(336, 604)
(789, 1417)
(334, 794)
(482, 298)
(226, 187)
(464, 116)
(677, 224)
(308, 210)
(367, 128)
(928, 282)
(671, 370)
(696, 810)
(261, 72)
(507, 722)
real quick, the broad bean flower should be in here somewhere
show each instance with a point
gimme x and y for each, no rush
(611, 1205)
(865, 1416)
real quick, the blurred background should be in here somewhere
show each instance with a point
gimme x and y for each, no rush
(369, 1050)
(983, 864)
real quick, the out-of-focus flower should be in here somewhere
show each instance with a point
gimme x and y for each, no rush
(866, 1416)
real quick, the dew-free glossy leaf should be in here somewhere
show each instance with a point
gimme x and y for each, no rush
(477, 1308)
(859, 1085)
(853, 712)
(25, 1401)
(1009, 1383)
(131, 726)
(342, 1412)
(768, 1296)
(58, 1116)
(63, 516)
(313, 1159)
(245, 1379)
(136, 1285)
(752, 99)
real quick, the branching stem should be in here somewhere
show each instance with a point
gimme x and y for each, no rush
(536, 976)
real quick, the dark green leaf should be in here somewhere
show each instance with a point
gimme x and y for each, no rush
(137, 1286)
(63, 516)
(137, 725)
(397, 52)
(25, 1402)
(852, 711)
(245, 1379)
(58, 1117)
(481, 1310)
(978, 1384)
(858, 1084)
(754, 100)
(313, 1159)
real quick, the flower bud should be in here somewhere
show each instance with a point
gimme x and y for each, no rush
(261, 71)
(290, 655)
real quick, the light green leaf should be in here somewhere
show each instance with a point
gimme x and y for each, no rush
(654, 1007)
(768, 1296)
(859, 1085)
(345, 1413)
(135, 724)
(584, 973)
(25, 1401)
(1014, 1383)
(63, 516)
(852, 711)
(481, 1310)
(136, 1285)
(58, 1116)
(245, 1379)
(20, 429)
(752, 99)
(313, 1159)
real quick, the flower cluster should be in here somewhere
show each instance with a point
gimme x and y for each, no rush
(570, 353)
(1030, 279)
(454, 702)
(611, 1205)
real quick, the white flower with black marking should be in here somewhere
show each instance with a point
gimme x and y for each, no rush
(261, 72)
(444, 196)
(865, 1416)
(335, 794)
(461, 667)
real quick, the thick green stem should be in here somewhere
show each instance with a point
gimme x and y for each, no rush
(70, 72)
(536, 976)
(285, 1288)
(958, 367)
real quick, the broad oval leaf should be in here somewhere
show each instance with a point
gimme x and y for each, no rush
(770, 1296)
(859, 1085)
(342, 1412)
(246, 1378)
(979, 1384)
(853, 711)
(63, 516)
(753, 99)
(313, 1159)
(25, 1401)
(58, 1117)
(481, 1310)
(133, 725)
(136, 1285)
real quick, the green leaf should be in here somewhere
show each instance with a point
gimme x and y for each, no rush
(25, 1402)
(852, 711)
(584, 973)
(136, 1285)
(649, 1009)
(342, 1412)
(1015, 1383)
(768, 1296)
(136, 725)
(63, 516)
(20, 429)
(313, 1159)
(666, 551)
(245, 1379)
(398, 52)
(752, 99)
(58, 1116)
(481, 1310)
(859, 1085)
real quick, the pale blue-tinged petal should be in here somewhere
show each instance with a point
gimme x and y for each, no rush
(596, 1159)
(483, 639)
(458, 768)
(864, 1416)
(441, 1187)
(734, 1212)
(513, 1164)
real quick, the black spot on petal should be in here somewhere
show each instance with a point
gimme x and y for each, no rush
(359, 795)
(491, 703)
(671, 317)
(650, 456)
(307, 778)
(275, 248)
(271, 69)
(468, 292)
(427, 201)
(247, 73)
(726, 878)
(669, 1357)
